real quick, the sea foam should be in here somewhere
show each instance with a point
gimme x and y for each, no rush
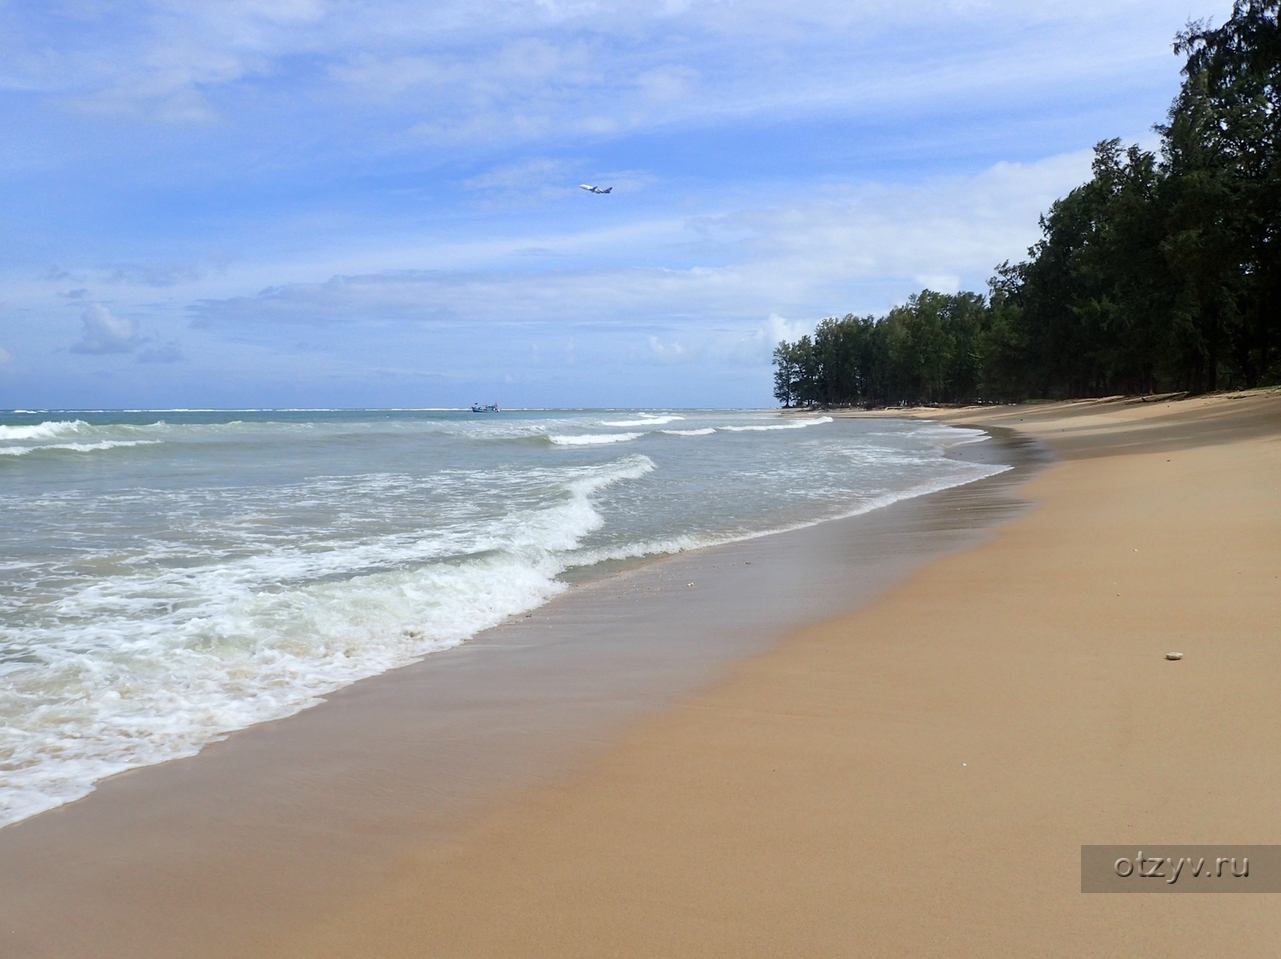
(42, 431)
(75, 447)
(150, 666)
(592, 439)
(767, 427)
(645, 420)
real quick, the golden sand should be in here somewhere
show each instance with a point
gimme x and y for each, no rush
(918, 778)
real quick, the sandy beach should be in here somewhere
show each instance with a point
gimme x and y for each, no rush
(902, 762)
(285, 823)
(917, 778)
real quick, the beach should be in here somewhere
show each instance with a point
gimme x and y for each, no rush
(896, 744)
(918, 778)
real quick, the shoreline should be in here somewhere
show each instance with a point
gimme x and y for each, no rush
(912, 777)
(285, 821)
(918, 777)
(222, 697)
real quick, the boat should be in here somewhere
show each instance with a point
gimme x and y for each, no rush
(488, 408)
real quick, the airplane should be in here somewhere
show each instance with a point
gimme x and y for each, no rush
(594, 189)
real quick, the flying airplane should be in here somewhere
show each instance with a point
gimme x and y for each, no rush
(594, 189)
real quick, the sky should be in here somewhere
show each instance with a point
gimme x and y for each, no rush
(374, 203)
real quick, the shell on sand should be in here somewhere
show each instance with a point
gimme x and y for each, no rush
(1173, 655)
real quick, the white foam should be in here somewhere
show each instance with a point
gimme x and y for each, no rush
(42, 431)
(592, 439)
(104, 445)
(949, 436)
(140, 668)
(798, 425)
(966, 473)
(75, 447)
(647, 420)
(706, 431)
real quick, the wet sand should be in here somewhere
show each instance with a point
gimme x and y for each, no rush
(917, 778)
(251, 847)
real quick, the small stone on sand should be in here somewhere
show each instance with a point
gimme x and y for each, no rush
(1173, 655)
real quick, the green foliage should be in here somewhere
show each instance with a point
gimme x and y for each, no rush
(926, 351)
(1163, 272)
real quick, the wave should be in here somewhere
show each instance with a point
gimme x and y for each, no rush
(646, 421)
(74, 447)
(175, 640)
(949, 436)
(42, 431)
(679, 544)
(799, 425)
(216, 648)
(592, 439)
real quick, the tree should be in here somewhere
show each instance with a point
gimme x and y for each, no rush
(1160, 272)
(1221, 147)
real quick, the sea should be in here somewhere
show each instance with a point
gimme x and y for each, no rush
(168, 577)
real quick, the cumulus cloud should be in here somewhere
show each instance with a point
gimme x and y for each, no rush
(672, 352)
(778, 328)
(105, 332)
(755, 346)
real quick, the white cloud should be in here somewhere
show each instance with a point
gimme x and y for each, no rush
(939, 282)
(668, 82)
(106, 333)
(672, 352)
(853, 248)
(153, 274)
(6, 357)
(947, 227)
(530, 181)
(778, 328)
(767, 158)
(755, 347)
(498, 68)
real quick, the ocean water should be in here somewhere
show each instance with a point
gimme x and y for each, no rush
(169, 577)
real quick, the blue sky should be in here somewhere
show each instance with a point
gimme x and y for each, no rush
(322, 203)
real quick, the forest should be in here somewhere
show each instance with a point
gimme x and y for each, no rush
(1160, 274)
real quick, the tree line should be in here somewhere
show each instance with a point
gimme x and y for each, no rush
(1162, 273)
